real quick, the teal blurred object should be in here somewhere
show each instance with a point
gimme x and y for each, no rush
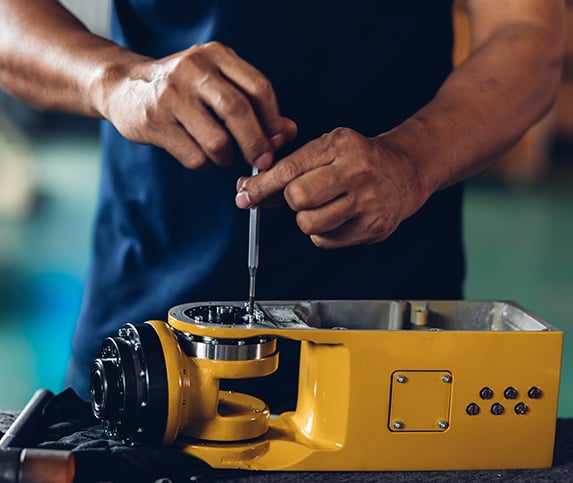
(519, 247)
(43, 261)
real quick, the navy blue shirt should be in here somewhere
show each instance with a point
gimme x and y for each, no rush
(165, 235)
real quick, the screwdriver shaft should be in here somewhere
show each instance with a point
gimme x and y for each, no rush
(253, 258)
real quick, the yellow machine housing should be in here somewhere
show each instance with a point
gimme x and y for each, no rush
(383, 385)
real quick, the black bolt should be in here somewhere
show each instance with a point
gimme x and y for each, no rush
(497, 409)
(510, 393)
(472, 409)
(521, 408)
(534, 392)
(486, 393)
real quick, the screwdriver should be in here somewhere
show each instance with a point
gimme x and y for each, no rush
(253, 259)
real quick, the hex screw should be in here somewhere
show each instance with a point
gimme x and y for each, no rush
(398, 425)
(497, 409)
(510, 393)
(486, 393)
(443, 424)
(401, 379)
(521, 408)
(472, 409)
(534, 392)
(446, 378)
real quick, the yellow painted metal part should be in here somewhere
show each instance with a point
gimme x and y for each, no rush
(371, 400)
(197, 408)
(349, 400)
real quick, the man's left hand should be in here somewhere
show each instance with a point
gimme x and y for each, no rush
(346, 189)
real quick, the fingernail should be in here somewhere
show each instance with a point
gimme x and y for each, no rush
(241, 182)
(277, 141)
(243, 200)
(264, 161)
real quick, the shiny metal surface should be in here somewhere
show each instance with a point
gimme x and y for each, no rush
(217, 349)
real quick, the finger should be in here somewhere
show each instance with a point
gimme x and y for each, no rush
(344, 236)
(281, 131)
(314, 188)
(326, 218)
(177, 142)
(251, 81)
(213, 139)
(240, 183)
(235, 110)
(312, 155)
(259, 89)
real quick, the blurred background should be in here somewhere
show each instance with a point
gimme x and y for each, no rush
(518, 229)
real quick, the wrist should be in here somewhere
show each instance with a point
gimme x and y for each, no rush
(107, 77)
(417, 179)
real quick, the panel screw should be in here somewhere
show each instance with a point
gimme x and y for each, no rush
(443, 424)
(497, 409)
(472, 409)
(534, 392)
(510, 393)
(521, 408)
(401, 379)
(486, 393)
(446, 378)
(398, 425)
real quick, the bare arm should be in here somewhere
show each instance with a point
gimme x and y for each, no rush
(508, 82)
(50, 60)
(348, 189)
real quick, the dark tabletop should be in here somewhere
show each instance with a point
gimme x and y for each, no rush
(69, 426)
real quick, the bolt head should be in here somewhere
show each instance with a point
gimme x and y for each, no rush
(401, 379)
(473, 409)
(497, 409)
(446, 378)
(486, 393)
(521, 408)
(443, 424)
(398, 425)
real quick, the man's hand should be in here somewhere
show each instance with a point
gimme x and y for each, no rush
(200, 105)
(346, 189)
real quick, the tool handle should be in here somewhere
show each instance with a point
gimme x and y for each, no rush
(31, 465)
(21, 430)
(253, 259)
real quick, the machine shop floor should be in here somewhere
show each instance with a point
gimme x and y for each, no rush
(518, 240)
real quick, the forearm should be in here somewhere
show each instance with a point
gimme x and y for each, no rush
(485, 106)
(50, 60)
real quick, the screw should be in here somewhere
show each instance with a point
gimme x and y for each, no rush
(510, 393)
(472, 409)
(521, 408)
(401, 379)
(398, 425)
(486, 393)
(497, 409)
(534, 392)
(446, 378)
(443, 424)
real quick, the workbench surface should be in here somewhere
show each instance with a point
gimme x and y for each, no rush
(69, 426)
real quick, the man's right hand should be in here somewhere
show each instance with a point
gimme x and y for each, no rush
(199, 105)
